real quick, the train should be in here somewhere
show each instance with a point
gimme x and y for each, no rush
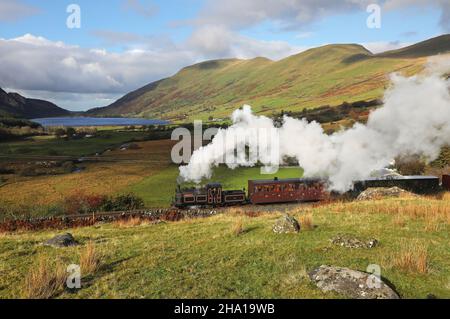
(295, 190)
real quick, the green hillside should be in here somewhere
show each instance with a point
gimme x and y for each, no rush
(327, 75)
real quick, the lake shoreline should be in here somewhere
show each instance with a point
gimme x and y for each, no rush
(81, 121)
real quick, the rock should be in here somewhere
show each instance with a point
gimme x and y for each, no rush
(129, 146)
(351, 283)
(285, 225)
(65, 240)
(379, 193)
(350, 241)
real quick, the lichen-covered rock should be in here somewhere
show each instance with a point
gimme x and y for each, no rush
(350, 241)
(286, 224)
(382, 192)
(59, 241)
(351, 283)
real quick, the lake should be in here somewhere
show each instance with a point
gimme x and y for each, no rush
(96, 121)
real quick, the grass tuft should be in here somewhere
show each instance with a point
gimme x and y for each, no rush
(306, 222)
(129, 222)
(412, 258)
(89, 259)
(238, 227)
(44, 280)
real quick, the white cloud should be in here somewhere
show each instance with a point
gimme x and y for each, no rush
(13, 10)
(215, 41)
(288, 14)
(35, 64)
(296, 14)
(379, 47)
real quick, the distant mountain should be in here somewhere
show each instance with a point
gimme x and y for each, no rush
(328, 75)
(15, 105)
(426, 48)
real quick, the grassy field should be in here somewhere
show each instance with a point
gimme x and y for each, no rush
(49, 146)
(112, 174)
(146, 172)
(204, 258)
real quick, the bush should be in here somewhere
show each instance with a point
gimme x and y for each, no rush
(410, 165)
(30, 172)
(5, 170)
(60, 132)
(68, 167)
(81, 203)
(123, 202)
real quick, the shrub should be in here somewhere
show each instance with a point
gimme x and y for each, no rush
(81, 203)
(68, 167)
(70, 132)
(59, 132)
(410, 165)
(123, 202)
(5, 170)
(30, 171)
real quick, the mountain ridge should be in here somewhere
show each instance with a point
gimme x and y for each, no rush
(15, 105)
(327, 75)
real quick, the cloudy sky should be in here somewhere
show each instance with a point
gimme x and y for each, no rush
(122, 45)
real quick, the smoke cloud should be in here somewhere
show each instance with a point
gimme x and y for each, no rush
(415, 120)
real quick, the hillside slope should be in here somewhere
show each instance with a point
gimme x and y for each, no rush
(15, 105)
(327, 75)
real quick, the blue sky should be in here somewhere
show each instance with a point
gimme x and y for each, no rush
(125, 44)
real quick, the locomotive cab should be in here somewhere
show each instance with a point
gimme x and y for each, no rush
(214, 194)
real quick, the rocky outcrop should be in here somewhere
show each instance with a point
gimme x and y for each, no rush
(285, 225)
(379, 193)
(351, 283)
(350, 241)
(60, 241)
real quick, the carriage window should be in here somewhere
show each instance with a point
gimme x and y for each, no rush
(189, 199)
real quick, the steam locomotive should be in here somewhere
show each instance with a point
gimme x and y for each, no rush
(296, 190)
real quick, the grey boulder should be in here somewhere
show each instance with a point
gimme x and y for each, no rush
(285, 225)
(59, 241)
(350, 241)
(351, 283)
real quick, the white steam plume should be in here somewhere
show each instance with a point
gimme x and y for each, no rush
(415, 119)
